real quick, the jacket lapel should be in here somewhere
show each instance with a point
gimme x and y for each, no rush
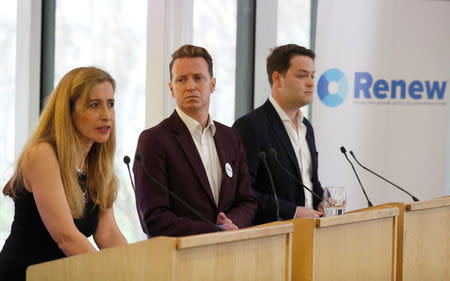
(219, 140)
(186, 142)
(311, 144)
(281, 134)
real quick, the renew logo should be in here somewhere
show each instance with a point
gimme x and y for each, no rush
(332, 89)
(383, 89)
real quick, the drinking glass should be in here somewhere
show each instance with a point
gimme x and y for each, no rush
(334, 200)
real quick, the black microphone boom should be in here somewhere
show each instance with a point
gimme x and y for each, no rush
(273, 153)
(344, 151)
(138, 157)
(127, 161)
(367, 169)
(262, 156)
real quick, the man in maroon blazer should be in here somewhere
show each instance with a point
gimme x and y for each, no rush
(200, 160)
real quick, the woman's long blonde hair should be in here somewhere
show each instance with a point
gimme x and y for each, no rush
(56, 128)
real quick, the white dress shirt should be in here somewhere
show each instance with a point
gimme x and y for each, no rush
(297, 135)
(206, 147)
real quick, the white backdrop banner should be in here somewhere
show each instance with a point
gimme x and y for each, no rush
(382, 91)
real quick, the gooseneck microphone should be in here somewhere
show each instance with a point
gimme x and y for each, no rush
(262, 156)
(273, 153)
(367, 169)
(138, 157)
(127, 161)
(344, 151)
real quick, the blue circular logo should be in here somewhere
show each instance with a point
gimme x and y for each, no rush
(332, 87)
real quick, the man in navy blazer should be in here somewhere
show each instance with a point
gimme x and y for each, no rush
(278, 125)
(200, 160)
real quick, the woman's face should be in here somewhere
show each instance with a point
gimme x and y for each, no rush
(93, 122)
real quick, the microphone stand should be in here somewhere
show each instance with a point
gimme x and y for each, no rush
(127, 161)
(344, 151)
(273, 153)
(367, 169)
(262, 156)
(138, 157)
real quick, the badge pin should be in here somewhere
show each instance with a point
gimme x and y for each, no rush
(228, 170)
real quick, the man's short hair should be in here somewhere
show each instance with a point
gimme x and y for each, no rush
(191, 51)
(280, 58)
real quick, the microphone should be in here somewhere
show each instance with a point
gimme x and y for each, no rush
(262, 156)
(127, 161)
(367, 169)
(273, 153)
(344, 151)
(138, 157)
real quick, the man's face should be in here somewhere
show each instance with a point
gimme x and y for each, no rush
(297, 84)
(191, 85)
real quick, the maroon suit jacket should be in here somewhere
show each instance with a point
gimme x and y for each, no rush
(170, 155)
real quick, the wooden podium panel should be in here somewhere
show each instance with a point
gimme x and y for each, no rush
(423, 233)
(426, 246)
(248, 254)
(355, 246)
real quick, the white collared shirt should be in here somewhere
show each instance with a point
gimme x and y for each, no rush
(300, 145)
(206, 147)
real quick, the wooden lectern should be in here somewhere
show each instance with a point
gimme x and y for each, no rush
(248, 254)
(423, 240)
(355, 246)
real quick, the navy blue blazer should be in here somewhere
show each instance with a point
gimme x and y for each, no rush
(170, 155)
(261, 130)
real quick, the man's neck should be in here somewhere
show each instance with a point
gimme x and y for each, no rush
(292, 113)
(200, 117)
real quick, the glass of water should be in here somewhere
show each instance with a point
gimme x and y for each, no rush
(334, 200)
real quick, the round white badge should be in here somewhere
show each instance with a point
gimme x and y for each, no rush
(229, 170)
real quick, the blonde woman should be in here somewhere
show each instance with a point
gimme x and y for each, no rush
(64, 184)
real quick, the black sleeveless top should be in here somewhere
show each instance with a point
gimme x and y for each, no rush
(29, 241)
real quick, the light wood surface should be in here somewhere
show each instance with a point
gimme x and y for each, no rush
(358, 251)
(353, 247)
(357, 246)
(428, 204)
(426, 248)
(400, 232)
(423, 239)
(213, 238)
(248, 254)
(262, 259)
(146, 260)
(360, 216)
(400, 225)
